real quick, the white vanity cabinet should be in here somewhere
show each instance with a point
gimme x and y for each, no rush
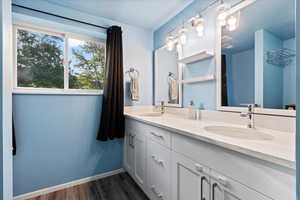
(172, 166)
(158, 171)
(190, 179)
(135, 155)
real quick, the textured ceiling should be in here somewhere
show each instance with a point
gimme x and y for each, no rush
(143, 13)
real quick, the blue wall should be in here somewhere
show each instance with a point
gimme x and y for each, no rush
(279, 82)
(204, 92)
(56, 140)
(56, 134)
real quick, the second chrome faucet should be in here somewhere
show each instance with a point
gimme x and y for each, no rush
(250, 115)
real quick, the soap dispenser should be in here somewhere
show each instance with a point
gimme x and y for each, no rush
(192, 110)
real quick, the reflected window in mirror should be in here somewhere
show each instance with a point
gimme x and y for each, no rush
(258, 57)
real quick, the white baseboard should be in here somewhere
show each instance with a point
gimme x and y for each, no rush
(67, 185)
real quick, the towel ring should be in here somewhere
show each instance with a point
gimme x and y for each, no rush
(133, 73)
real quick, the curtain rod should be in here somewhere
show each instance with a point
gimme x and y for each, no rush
(54, 15)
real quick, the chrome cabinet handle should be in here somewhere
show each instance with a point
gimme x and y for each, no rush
(223, 181)
(161, 162)
(157, 135)
(203, 178)
(133, 144)
(159, 195)
(199, 168)
(214, 186)
(131, 140)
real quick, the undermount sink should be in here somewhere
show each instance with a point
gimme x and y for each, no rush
(240, 133)
(151, 114)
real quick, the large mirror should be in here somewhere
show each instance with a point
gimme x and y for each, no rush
(258, 64)
(167, 77)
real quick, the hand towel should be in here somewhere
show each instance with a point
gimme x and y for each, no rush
(134, 89)
(173, 90)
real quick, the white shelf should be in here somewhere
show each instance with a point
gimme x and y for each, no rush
(196, 57)
(199, 79)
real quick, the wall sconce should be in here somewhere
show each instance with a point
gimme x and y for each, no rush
(198, 24)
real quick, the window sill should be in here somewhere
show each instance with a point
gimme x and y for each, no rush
(56, 91)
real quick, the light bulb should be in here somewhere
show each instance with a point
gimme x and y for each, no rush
(198, 24)
(200, 30)
(222, 9)
(178, 48)
(182, 35)
(232, 23)
(183, 38)
(222, 18)
(170, 45)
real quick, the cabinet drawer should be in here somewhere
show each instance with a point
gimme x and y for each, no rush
(159, 135)
(272, 180)
(228, 189)
(158, 171)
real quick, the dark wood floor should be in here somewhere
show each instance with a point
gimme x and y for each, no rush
(117, 187)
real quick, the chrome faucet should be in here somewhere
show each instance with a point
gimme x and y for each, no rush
(250, 115)
(162, 107)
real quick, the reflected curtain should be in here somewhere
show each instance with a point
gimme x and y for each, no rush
(224, 82)
(112, 117)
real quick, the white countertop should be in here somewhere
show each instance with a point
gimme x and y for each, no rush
(280, 150)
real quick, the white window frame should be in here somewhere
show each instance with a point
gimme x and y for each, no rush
(66, 90)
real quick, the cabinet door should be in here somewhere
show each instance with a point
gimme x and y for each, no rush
(129, 152)
(158, 171)
(224, 188)
(189, 179)
(139, 146)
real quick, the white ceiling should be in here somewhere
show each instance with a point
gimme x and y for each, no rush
(149, 14)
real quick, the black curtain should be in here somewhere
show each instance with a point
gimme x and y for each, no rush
(112, 117)
(224, 82)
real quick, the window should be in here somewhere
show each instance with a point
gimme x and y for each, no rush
(57, 62)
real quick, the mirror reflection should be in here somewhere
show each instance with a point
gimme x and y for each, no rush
(258, 56)
(167, 76)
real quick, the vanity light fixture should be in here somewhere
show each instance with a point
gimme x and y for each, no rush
(182, 35)
(198, 24)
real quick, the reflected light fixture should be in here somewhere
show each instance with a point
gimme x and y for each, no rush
(227, 46)
(179, 48)
(222, 16)
(198, 24)
(170, 43)
(233, 22)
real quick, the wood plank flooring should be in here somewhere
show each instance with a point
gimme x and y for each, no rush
(117, 187)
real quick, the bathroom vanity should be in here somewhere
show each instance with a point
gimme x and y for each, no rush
(245, 148)
(174, 158)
